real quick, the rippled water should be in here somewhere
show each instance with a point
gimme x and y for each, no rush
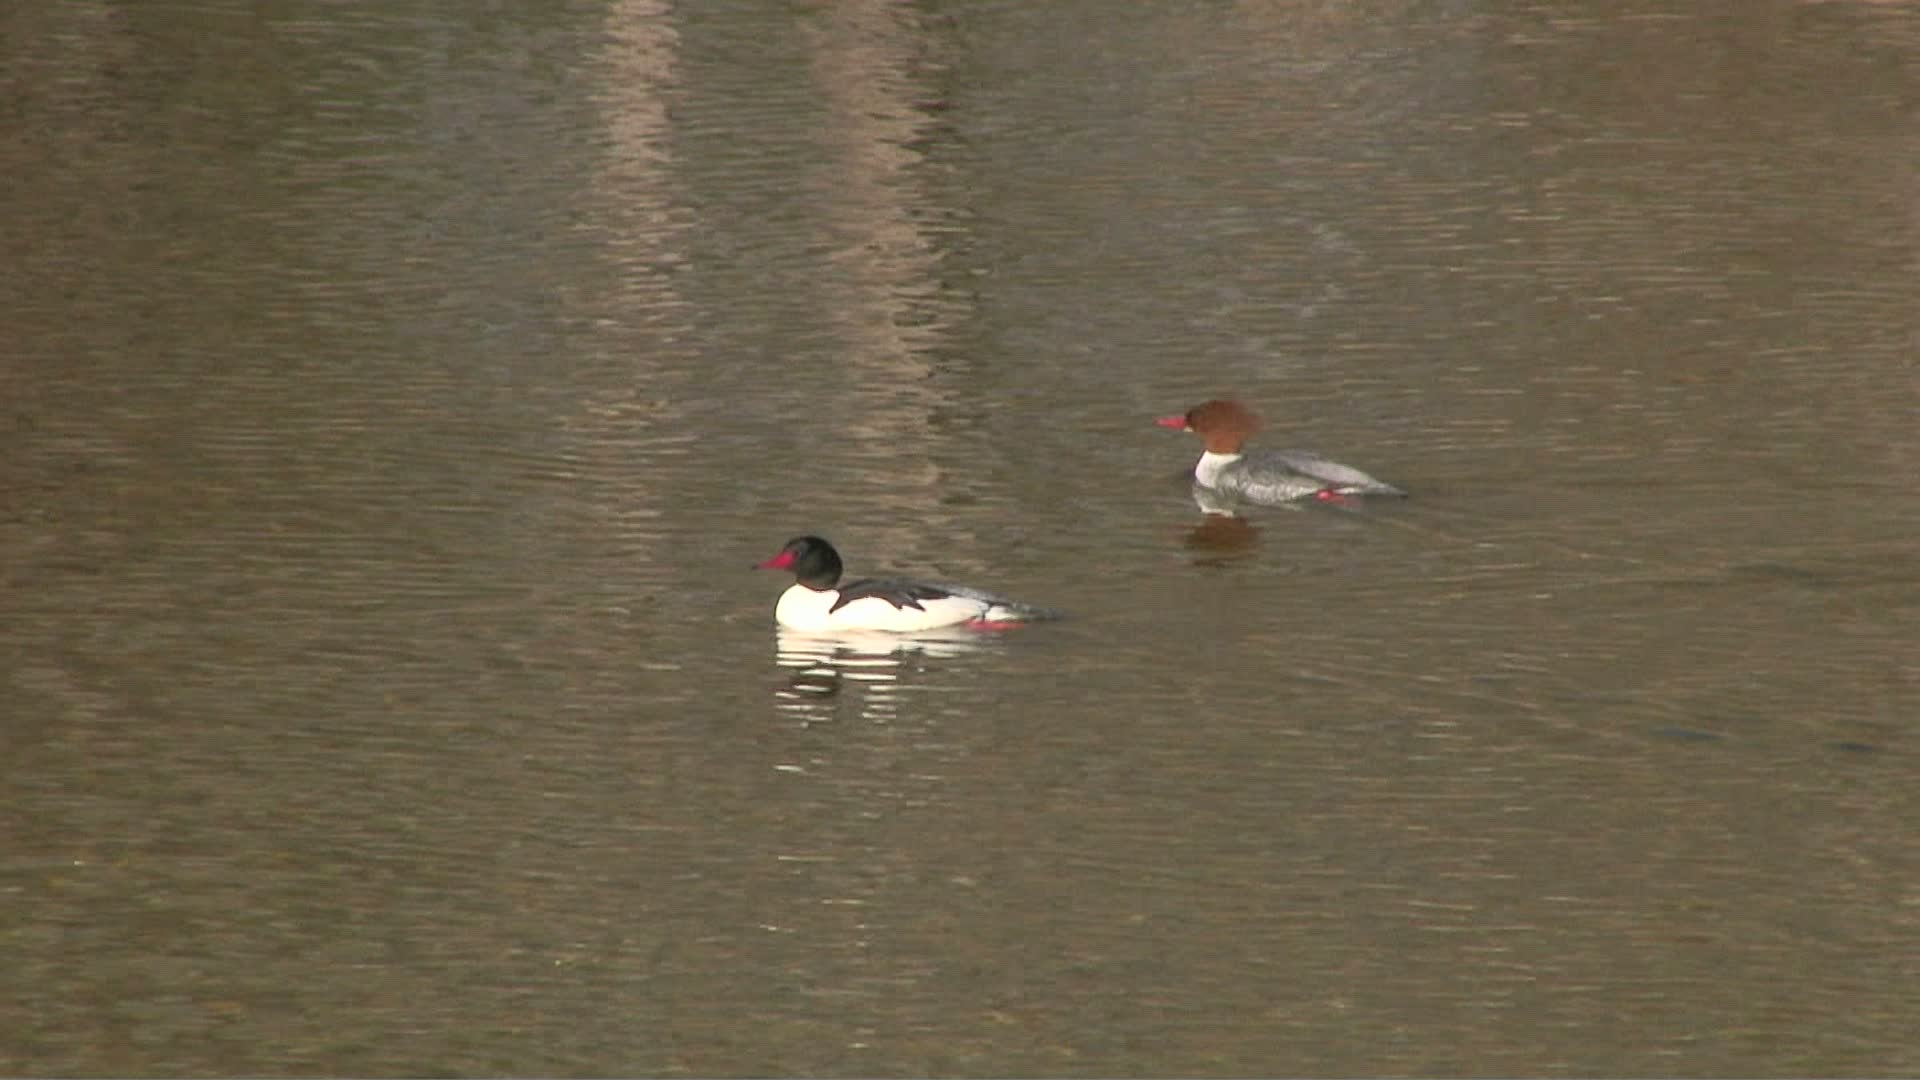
(396, 397)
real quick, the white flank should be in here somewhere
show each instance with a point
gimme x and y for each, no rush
(801, 608)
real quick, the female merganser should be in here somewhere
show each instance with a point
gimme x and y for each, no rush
(1269, 476)
(816, 602)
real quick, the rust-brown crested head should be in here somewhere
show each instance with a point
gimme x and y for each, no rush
(1223, 423)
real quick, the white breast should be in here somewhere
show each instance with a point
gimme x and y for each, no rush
(1208, 471)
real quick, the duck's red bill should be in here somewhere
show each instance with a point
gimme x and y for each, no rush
(1177, 422)
(782, 561)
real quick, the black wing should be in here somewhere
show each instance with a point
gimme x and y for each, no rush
(901, 594)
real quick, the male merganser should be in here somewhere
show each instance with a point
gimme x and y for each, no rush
(1269, 476)
(817, 602)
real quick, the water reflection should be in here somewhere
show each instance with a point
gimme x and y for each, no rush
(1218, 539)
(883, 225)
(1224, 532)
(824, 665)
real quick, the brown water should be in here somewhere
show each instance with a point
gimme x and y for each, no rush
(394, 396)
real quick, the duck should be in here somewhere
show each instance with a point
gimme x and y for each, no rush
(1266, 477)
(819, 602)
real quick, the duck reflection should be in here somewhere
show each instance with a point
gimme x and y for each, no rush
(1222, 533)
(823, 665)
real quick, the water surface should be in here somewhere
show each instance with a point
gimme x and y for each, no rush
(396, 397)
